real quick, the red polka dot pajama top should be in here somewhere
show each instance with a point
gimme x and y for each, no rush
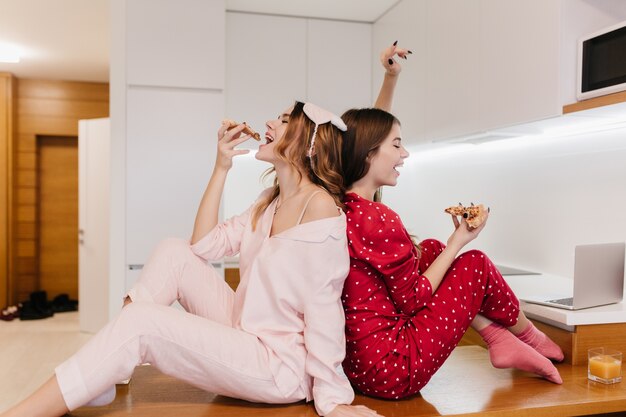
(398, 332)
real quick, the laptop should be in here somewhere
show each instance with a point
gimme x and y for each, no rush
(598, 278)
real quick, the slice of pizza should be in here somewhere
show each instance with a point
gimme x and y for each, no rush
(473, 215)
(456, 210)
(476, 215)
(246, 130)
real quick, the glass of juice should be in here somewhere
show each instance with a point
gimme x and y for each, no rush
(605, 365)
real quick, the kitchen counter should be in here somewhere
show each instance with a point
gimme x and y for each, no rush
(549, 285)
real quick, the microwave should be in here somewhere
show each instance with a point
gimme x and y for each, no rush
(602, 62)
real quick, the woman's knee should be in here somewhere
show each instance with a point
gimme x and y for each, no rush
(429, 251)
(173, 246)
(138, 317)
(474, 257)
(433, 244)
(172, 251)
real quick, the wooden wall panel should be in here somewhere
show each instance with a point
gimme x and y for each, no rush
(58, 108)
(26, 161)
(58, 215)
(6, 176)
(26, 248)
(26, 230)
(26, 267)
(26, 196)
(26, 178)
(26, 213)
(26, 143)
(42, 108)
(52, 126)
(65, 90)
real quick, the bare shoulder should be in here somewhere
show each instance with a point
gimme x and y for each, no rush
(321, 206)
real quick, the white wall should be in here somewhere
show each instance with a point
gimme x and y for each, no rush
(244, 184)
(546, 195)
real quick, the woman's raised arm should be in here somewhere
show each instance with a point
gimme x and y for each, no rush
(392, 72)
(208, 211)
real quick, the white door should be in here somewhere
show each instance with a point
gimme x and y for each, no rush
(93, 222)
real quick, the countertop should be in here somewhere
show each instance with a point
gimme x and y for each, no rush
(549, 285)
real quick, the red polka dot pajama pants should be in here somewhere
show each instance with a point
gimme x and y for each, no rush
(416, 346)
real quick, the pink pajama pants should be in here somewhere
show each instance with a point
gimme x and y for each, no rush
(199, 346)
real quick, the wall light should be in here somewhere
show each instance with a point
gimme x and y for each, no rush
(9, 54)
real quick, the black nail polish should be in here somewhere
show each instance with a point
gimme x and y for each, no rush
(390, 61)
(465, 215)
(395, 43)
(410, 51)
(405, 57)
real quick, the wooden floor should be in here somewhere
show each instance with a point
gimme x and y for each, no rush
(467, 385)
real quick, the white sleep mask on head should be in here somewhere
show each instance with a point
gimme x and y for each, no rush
(320, 116)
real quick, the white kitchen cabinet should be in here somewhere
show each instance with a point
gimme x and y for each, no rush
(405, 23)
(271, 61)
(339, 64)
(478, 65)
(167, 102)
(175, 44)
(519, 61)
(453, 68)
(171, 148)
(265, 66)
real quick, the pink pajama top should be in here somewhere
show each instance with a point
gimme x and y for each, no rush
(289, 296)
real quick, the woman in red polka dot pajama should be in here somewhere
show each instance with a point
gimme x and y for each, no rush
(407, 307)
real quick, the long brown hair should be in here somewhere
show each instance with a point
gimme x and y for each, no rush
(367, 130)
(323, 168)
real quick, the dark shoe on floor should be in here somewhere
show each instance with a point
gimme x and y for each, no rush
(10, 313)
(37, 308)
(62, 303)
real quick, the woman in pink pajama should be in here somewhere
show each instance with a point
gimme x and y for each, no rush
(280, 337)
(407, 306)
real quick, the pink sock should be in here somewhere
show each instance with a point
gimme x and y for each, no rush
(538, 340)
(506, 351)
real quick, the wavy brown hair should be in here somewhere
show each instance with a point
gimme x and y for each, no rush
(324, 166)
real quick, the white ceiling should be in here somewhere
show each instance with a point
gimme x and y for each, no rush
(69, 39)
(354, 10)
(59, 39)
